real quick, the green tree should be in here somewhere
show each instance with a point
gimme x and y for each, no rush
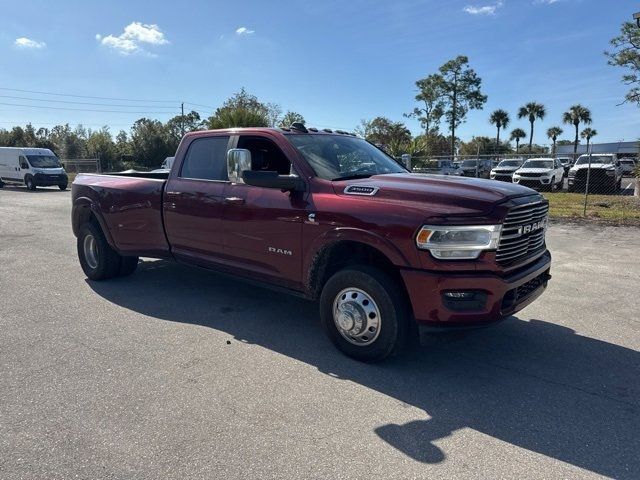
(181, 124)
(477, 145)
(100, 145)
(244, 110)
(517, 134)
(290, 118)
(574, 116)
(627, 55)
(123, 150)
(430, 95)
(499, 118)
(391, 136)
(588, 134)
(553, 133)
(460, 87)
(150, 142)
(532, 111)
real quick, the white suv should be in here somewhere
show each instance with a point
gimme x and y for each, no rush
(540, 173)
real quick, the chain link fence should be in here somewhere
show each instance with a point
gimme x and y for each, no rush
(82, 165)
(596, 186)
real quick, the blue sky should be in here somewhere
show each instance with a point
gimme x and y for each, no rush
(334, 62)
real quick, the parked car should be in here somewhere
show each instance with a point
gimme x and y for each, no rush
(603, 171)
(329, 217)
(440, 167)
(476, 168)
(33, 167)
(167, 163)
(504, 170)
(540, 173)
(628, 165)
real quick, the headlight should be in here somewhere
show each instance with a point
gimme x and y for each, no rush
(611, 173)
(458, 242)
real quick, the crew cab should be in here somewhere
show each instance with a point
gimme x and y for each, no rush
(602, 172)
(505, 169)
(540, 173)
(330, 217)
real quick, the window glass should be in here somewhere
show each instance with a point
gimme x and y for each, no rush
(206, 159)
(23, 162)
(265, 155)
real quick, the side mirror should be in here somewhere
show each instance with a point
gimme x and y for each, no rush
(238, 161)
(271, 179)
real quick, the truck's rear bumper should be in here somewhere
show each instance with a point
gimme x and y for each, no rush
(498, 296)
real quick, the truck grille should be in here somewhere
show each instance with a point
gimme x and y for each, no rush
(530, 174)
(522, 233)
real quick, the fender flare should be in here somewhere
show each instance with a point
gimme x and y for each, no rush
(86, 202)
(330, 238)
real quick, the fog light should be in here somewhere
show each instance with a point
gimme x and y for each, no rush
(465, 300)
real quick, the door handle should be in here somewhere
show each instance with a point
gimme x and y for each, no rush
(234, 201)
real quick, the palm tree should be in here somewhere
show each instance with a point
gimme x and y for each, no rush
(588, 134)
(575, 115)
(500, 119)
(532, 111)
(553, 133)
(517, 134)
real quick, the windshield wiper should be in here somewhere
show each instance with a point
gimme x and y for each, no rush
(352, 177)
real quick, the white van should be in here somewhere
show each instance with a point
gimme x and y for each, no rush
(34, 167)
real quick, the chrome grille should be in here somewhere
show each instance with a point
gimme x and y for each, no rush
(515, 245)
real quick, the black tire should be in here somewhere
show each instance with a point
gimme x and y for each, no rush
(1, 183)
(106, 263)
(128, 265)
(62, 186)
(390, 301)
(30, 182)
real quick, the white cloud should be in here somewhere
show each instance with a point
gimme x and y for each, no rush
(547, 2)
(483, 10)
(244, 31)
(24, 42)
(135, 36)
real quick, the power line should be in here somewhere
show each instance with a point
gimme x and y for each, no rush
(83, 103)
(81, 109)
(87, 96)
(200, 105)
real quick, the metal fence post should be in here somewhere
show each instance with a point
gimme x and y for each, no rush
(586, 189)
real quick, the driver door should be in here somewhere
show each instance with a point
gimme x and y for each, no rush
(263, 226)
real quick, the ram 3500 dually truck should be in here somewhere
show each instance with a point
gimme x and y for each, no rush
(328, 216)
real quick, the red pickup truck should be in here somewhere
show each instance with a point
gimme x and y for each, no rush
(326, 215)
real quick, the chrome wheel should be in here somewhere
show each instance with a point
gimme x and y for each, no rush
(90, 251)
(356, 316)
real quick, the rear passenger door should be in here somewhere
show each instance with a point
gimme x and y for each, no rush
(193, 201)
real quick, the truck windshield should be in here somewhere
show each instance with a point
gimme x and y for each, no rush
(584, 159)
(538, 164)
(339, 157)
(44, 161)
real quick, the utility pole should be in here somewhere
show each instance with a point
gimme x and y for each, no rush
(182, 117)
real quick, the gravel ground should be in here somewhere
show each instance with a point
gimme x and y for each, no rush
(180, 373)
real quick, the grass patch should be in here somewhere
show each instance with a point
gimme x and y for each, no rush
(612, 209)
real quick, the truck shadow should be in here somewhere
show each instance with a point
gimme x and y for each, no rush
(532, 384)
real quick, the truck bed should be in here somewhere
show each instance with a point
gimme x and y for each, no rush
(129, 205)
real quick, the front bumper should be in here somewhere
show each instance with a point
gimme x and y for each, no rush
(44, 180)
(505, 295)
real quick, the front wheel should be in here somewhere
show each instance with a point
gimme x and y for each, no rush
(364, 313)
(62, 186)
(30, 183)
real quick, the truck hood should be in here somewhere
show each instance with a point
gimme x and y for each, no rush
(541, 171)
(583, 166)
(435, 194)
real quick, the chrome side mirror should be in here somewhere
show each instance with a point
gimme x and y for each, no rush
(238, 160)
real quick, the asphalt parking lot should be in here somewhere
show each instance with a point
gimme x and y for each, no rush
(180, 373)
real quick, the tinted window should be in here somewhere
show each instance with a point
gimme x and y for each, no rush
(44, 161)
(265, 155)
(206, 159)
(23, 162)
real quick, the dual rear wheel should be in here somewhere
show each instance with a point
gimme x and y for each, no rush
(98, 260)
